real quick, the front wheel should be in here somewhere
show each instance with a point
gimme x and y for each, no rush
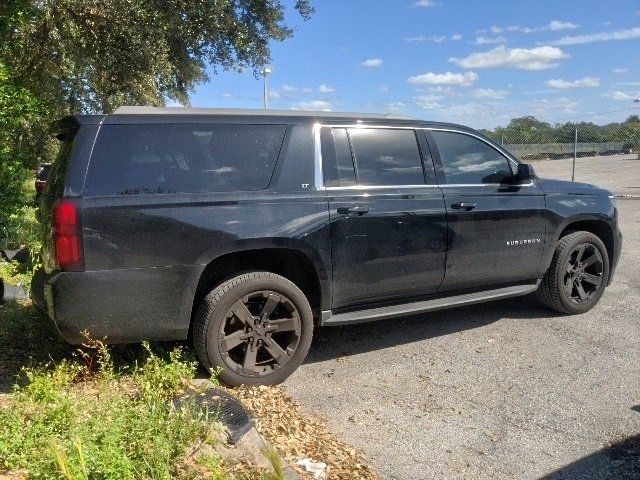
(257, 327)
(578, 274)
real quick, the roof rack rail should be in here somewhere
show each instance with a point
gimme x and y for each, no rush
(147, 110)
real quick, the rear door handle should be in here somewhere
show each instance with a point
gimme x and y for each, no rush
(464, 205)
(359, 209)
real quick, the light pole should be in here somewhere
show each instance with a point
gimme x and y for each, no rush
(266, 72)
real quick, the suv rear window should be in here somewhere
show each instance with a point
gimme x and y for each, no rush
(179, 158)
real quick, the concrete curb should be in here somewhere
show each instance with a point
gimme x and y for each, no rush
(250, 445)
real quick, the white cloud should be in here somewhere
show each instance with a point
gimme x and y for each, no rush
(489, 40)
(289, 88)
(556, 25)
(425, 3)
(599, 37)
(273, 95)
(624, 96)
(620, 70)
(227, 95)
(539, 58)
(307, 90)
(372, 63)
(448, 78)
(383, 88)
(428, 102)
(560, 104)
(586, 82)
(455, 37)
(326, 89)
(396, 106)
(423, 39)
(313, 105)
(553, 25)
(442, 91)
(418, 39)
(490, 93)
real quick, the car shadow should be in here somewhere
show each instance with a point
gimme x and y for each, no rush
(618, 461)
(338, 341)
(26, 339)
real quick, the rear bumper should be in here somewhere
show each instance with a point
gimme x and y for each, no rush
(119, 306)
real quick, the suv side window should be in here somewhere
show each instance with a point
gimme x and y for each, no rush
(182, 158)
(336, 157)
(386, 156)
(469, 160)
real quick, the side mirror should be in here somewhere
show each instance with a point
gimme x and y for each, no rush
(525, 172)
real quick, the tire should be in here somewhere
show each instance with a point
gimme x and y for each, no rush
(559, 289)
(231, 330)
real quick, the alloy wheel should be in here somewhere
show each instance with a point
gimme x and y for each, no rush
(260, 333)
(583, 273)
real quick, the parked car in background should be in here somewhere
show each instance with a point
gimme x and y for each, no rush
(241, 230)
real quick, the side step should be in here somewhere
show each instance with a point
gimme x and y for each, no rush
(382, 313)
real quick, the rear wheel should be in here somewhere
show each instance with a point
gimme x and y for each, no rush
(257, 327)
(578, 274)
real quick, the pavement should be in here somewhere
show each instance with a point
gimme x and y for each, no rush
(618, 173)
(500, 390)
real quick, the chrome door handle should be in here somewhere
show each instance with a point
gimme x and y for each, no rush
(359, 209)
(464, 205)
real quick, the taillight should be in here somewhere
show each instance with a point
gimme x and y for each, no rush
(67, 243)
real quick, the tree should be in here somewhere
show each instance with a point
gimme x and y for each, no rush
(59, 57)
(19, 112)
(94, 55)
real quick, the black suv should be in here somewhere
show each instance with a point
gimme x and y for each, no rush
(242, 229)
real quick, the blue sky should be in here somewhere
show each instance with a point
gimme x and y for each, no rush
(472, 62)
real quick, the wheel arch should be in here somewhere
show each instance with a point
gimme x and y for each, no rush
(291, 263)
(600, 227)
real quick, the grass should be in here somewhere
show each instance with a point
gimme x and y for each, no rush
(100, 412)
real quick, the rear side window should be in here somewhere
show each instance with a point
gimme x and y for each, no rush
(180, 158)
(337, 159)
(385, 156)
(469, 160)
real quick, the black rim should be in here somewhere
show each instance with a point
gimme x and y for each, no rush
(583, 274)
(260, 333)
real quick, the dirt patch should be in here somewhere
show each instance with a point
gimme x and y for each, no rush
(297, 435)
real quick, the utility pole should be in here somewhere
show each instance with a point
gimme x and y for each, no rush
(265, 73)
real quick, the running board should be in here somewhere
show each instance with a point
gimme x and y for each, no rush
(382, 313)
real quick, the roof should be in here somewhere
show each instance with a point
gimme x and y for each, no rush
(143, 110)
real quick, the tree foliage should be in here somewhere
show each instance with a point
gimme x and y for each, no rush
(59, 57)
(94, 55)
(19, 132)
(528, 130)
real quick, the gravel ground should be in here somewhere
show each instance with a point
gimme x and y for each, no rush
(618, 173)
(500, 390)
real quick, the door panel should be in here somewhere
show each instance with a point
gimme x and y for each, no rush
(501, 240)
(397, 249)
(388, 238)
(496, 226)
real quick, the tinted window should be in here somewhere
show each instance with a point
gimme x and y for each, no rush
(146, 159)
(344, 160)
(468, 160)
(296, 171)
(386, 156)
(337, 163)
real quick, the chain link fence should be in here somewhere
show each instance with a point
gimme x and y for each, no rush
(607, 156)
